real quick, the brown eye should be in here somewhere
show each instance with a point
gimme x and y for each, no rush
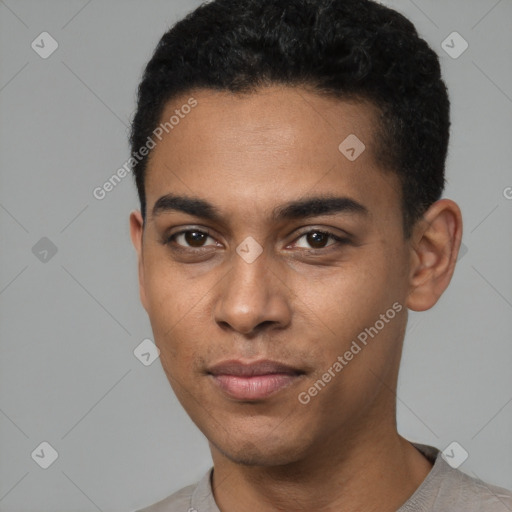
(192, 239)
(195, 238)
(318, 240)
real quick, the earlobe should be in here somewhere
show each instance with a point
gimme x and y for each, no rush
(136, 234)
(434, 248)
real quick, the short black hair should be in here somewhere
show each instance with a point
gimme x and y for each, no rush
(346, 49)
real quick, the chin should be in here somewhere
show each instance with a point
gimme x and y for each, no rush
(255, 457)
(261, 451)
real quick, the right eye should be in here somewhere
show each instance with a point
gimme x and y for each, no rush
(189, 239)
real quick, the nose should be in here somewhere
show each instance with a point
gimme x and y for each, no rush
(252, 297)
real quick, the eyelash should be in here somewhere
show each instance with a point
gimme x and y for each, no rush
(170, 240)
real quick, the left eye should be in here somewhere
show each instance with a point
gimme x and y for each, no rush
(318, 239)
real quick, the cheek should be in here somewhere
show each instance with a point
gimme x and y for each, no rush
(175, 309)
(352, 290)
(336, 306)
(171, 296)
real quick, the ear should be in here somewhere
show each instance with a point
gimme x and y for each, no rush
(435, 245)
(136, 234)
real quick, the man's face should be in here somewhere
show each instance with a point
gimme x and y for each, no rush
(304, 299)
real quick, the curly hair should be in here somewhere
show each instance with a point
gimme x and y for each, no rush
(346, 49)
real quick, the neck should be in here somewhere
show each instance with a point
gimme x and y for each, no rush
(376, 472)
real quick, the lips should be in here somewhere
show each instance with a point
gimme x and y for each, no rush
(253, 381)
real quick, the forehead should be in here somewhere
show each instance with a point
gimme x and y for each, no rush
(273, 117)
(268, 147)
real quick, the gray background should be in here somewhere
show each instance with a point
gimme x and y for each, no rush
(69, 325)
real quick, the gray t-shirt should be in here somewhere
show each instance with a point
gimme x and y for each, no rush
(444, 489)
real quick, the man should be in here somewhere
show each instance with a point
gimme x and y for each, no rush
(289, 159)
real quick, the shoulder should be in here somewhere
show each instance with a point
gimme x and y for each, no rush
(177, 502)
(481, 495)
(447, 488)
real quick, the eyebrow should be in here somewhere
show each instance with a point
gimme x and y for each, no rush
(315, 206)
(190, 205)
(293, 210)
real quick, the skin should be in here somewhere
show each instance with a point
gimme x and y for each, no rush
(247, 155)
